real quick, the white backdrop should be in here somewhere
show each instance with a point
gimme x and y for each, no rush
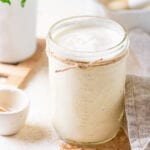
(50, 11)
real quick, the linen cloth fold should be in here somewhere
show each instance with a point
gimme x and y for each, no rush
(137, 97)
(138, 112)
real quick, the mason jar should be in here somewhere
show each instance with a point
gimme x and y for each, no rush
(87, 68)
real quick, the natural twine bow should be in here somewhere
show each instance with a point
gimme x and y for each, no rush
(84, 65)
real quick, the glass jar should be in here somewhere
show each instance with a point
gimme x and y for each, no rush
(87, 66)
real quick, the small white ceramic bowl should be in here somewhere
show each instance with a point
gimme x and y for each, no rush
(16, 104)
(131, 18)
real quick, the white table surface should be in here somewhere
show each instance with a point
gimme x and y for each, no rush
(37, 134)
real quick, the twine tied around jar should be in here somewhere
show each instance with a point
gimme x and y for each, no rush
(74, 64)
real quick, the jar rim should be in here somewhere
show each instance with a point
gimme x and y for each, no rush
(112, 49)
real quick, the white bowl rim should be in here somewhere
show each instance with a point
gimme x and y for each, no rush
(17, 90)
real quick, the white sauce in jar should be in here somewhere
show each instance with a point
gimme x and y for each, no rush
(91, 38)
(87, 103)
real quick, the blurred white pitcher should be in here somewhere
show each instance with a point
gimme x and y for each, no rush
(17, 31)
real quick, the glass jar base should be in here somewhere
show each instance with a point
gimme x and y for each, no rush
(90, 144)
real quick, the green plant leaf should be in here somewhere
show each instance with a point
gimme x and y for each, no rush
(23, 3)
(6, 1)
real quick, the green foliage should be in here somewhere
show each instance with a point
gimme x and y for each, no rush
(6, 1)
(22, 3)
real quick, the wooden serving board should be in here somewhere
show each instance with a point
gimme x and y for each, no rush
(16, 74)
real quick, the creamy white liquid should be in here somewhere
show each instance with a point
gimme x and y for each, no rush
(88, 38)
(87, 104)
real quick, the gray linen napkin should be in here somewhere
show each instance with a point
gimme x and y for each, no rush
(139, 58)
(138, 112)
(137, 98)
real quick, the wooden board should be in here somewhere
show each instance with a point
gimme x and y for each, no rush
(120, 142)
(16, 74)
